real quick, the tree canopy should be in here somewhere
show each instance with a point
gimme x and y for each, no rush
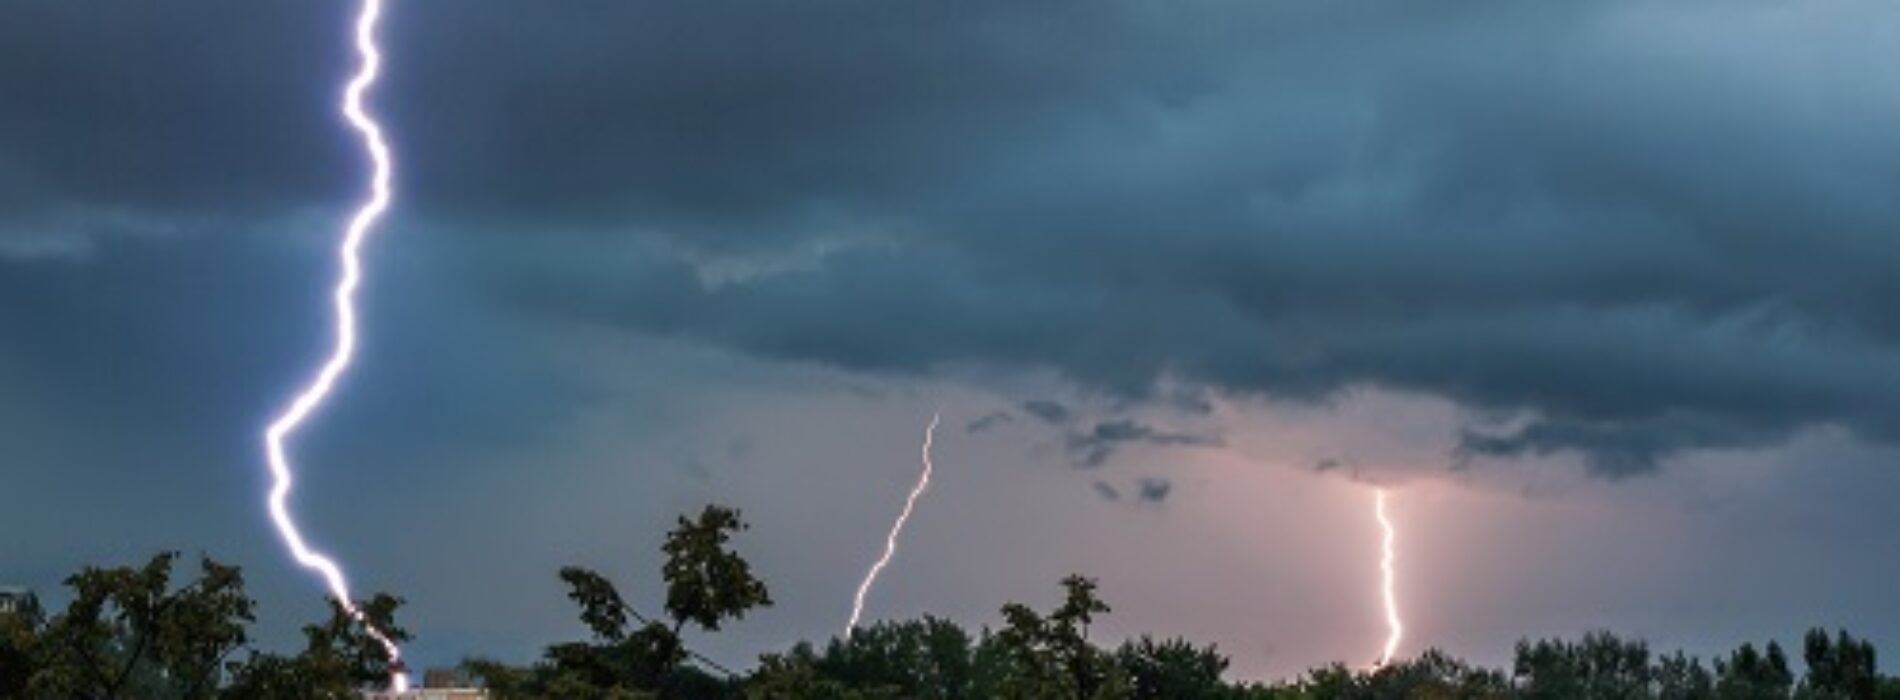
(143, 632)
(134, 632)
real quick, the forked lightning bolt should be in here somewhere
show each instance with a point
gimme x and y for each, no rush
(1395, 627)
(890, 541)
(344, 296)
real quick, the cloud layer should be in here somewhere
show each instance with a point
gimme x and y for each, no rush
(1630, 229)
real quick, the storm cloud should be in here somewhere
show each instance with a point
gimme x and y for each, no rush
(1154, 489)
(988, 421)
(1050, 411)
(1093, 447)
(1639, 229)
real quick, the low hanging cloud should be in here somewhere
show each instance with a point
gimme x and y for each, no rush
(1154, 490)
(1092, 448)
(988, 421)
(1148, 490)
(1050, 411)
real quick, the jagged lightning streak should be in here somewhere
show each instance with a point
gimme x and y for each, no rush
(313, 394)
(1395, 627)
(897, 528)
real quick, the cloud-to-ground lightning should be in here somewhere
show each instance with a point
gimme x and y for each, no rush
(344, 296)
(1395, 628)
(897, 528)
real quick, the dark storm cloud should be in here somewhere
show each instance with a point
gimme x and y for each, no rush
(1622, 449)
(1051, 412)
(1093, 447)
(1154, 490)
(988, 421)
(1643, 228)
(149, 116)
(1190, 401)
(155, 355)
(1149, 490)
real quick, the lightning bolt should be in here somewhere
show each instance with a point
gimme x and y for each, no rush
(1395, 628)
(897, 528)
(344, 296)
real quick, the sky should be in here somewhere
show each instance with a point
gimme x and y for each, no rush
(1601, 292)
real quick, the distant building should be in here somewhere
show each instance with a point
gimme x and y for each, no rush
(441, 678)
(16, 599)
(437, 684)
(429, 694)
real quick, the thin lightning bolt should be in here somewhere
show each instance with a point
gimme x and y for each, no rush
(890, 541)
(344, 296)
(1393, 624)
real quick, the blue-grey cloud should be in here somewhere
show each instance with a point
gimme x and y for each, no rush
(1050, 411)
(1641, 246)
(1154, 490)
(1093, 447)
(988, 421)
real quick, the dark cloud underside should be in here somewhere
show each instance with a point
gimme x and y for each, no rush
(1645, 228)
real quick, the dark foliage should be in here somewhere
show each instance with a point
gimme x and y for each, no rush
(133, 632)
(130, 632)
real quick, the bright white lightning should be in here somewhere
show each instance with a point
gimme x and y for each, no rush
(897, 528)
(344, 296)
(1396, 628)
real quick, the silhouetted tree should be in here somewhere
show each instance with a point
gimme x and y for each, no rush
(339, 657)
(1331, 682)
(1748, 674)
(1051, 656)
(931, 659)
(1434, 674)
(1172, 669)
(129, 632)
(19, 647)
(1599, 666)
(1841, 668)
(133, 632)
(1682, 677)
(631, 654)
(795, 674)
(707, 583)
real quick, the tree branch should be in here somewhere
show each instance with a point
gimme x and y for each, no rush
(701, 658)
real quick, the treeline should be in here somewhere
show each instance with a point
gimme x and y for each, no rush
(132, 632)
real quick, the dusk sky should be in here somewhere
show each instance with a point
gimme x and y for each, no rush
(1603, 293)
